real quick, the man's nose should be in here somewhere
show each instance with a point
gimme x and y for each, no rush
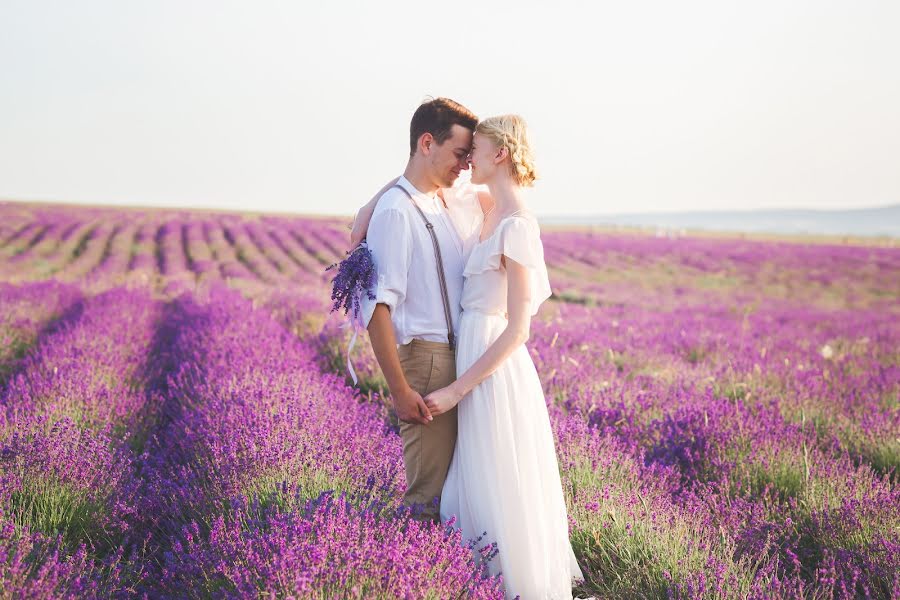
(465, 163)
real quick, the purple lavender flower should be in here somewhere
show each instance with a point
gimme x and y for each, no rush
(724, 406)
(356, 274)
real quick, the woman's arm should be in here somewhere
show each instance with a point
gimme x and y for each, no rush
(518, 308)
(364, 215)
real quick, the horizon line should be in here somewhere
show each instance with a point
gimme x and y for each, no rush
(95, 204)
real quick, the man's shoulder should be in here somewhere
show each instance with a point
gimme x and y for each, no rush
(393, 199)
(391, 215)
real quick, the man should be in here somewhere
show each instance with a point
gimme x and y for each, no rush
(409, 308)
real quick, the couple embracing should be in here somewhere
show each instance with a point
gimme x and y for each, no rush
(460, 273)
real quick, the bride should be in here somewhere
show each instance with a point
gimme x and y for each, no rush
(504, 476)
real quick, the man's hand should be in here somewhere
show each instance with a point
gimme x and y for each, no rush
(411, 407)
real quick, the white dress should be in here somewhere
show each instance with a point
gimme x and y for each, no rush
(504, 476)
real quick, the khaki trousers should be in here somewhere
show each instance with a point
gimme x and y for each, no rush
(427, 449)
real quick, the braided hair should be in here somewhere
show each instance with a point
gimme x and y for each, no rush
(511, 132)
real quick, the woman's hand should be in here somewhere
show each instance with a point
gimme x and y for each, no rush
(443, 400)
(361, 222)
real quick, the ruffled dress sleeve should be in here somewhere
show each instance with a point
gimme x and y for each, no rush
(519, 239)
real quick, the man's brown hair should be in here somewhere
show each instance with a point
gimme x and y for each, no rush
(437, 117)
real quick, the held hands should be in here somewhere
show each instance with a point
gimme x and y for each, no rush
(443, 400)
(411, 408)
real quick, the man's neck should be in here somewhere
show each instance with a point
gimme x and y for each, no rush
(419, 180)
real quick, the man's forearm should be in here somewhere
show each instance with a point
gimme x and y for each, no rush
(384, 344)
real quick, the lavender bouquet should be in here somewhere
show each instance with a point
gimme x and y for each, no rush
(356, 275)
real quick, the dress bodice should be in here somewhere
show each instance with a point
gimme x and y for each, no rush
(516, 237)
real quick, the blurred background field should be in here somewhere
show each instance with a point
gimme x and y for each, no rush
(177, 420)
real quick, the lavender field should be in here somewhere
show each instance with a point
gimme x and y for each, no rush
(176, 421)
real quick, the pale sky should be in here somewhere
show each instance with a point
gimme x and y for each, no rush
(634, 106)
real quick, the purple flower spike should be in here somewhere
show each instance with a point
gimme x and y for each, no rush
(356, 274)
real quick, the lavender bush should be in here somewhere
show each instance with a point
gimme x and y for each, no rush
(175, 422)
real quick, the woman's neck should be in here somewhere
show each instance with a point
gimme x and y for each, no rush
(507, 196)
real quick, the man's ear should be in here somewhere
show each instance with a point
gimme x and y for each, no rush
(426, 141)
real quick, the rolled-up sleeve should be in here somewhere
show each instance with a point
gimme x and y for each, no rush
(388, 239)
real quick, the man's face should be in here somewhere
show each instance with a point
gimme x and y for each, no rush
(451, 157)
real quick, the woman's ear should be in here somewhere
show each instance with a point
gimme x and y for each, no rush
(502, 153)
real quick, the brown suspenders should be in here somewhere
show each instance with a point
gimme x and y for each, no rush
(440, 268)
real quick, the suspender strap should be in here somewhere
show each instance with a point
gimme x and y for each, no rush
(440, 268)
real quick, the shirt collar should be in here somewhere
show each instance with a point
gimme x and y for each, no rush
(416, 192)
(436, 205)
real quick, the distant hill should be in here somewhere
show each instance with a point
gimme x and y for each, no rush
(884, 220)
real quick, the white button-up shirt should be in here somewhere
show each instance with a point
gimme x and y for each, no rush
(407, 268)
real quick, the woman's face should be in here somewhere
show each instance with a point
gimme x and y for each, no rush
(483, 159)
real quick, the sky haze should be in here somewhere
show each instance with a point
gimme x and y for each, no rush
(296, 107)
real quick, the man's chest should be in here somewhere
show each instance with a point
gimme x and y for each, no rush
(441, 231)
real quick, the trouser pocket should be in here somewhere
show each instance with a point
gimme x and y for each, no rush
(417, 365)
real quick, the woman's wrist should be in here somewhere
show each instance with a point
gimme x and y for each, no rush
(458, 388)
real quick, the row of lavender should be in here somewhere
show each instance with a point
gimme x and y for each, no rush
(643, 271)
(714, 443)
(173, 250)
(779, 433)
(99, 248)
(763, 380)
(193, 446)
(727, 412)
(69, 408)
(722, 468)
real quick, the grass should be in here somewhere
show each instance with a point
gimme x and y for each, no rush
(53, 508)
(632, 542)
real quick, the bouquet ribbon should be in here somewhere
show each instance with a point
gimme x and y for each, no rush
(351, 323)
(356, 276)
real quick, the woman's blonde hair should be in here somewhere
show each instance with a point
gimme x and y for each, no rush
(511, 132)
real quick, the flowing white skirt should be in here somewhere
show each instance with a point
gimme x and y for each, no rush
(504, 475)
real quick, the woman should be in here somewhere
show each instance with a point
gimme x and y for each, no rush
(504, 476)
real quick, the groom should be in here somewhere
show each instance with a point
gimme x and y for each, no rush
(407, 321)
